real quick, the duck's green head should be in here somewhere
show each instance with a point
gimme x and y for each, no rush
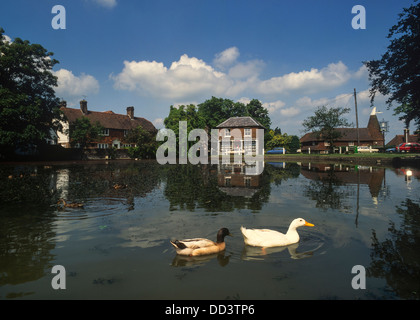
(223, 232)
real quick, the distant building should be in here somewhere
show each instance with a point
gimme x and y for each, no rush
(116, 126)
(370, 136)
(237, 130)
(406, 137)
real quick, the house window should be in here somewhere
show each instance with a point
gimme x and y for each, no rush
(125, 133)
(247, 181)
(105, 132)
(351, 144)
(247, 132)
(102, 145)
(227, 132)
(327, 144)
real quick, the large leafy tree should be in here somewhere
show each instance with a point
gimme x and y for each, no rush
(146, 144)
(256, 110)
(28, 105)
(325, 122)
(83, 132)
(397, 73)
(216, 110)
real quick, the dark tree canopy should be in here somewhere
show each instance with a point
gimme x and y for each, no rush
(28, 105)
(397, 73)
(325, 121)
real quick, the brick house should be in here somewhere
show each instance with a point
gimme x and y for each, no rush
(369, 136)
(235, 131)
(116, 126)
(401, 138)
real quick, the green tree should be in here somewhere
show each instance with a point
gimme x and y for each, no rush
(184, 113)
(83, 132)
(216, 110)
(397, 73)
(145, 143)
(294, 144)
(28, 105)
(324, 123)
(278, 140)
(256, 110)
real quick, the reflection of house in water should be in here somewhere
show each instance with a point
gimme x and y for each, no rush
(372, 177)
(233, 180)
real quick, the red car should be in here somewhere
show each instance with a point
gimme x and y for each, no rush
(409, 147)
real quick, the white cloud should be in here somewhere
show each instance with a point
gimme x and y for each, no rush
(184, 79)
(226, 57)
(106, 3)
(192, 79)
(274, 106)
(6, 38)
(249, 69)
(334, 75)
(158, 123)
(71, 87)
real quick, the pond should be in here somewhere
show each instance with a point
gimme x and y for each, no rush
(117, 245)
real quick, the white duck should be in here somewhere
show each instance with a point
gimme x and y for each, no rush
(269, 238)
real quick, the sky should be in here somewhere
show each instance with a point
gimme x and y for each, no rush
(293, 56)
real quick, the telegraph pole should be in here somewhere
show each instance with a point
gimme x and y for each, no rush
(357, 118)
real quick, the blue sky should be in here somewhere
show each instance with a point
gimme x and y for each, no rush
(291, 55)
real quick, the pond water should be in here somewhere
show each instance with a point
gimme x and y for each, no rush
(117, 245)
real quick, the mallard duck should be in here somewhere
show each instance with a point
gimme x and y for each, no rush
(201, 246)
(270, 238)
(119, 186)
(70, 205)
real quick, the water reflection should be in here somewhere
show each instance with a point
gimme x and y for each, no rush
(137, 206)
(215, 188)
(397, 258)
(257, 253)
(186, 261)
(331, 185)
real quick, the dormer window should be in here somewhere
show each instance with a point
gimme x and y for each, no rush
(105, 132)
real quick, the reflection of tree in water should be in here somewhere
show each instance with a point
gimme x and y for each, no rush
(193, 186)
(26, 244)
(329, 192)
(397, 258)
(282, 172)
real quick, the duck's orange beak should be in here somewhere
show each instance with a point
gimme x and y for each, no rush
(309, 224)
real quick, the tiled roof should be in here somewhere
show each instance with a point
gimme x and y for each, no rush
(240, 122)
(109, 119)
(371, 133)
(400, 139)
(348, 134)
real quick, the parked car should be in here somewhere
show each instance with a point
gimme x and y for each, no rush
(409, 147)
(366, 149)
(280, 150)
(391, 150)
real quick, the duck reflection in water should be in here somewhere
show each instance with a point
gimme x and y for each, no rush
(189, 261)
(258, 253)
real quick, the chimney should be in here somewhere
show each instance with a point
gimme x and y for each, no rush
(130, 112)
(406, 134)
(83, 106)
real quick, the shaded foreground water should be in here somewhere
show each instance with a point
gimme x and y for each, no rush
(117, 245)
